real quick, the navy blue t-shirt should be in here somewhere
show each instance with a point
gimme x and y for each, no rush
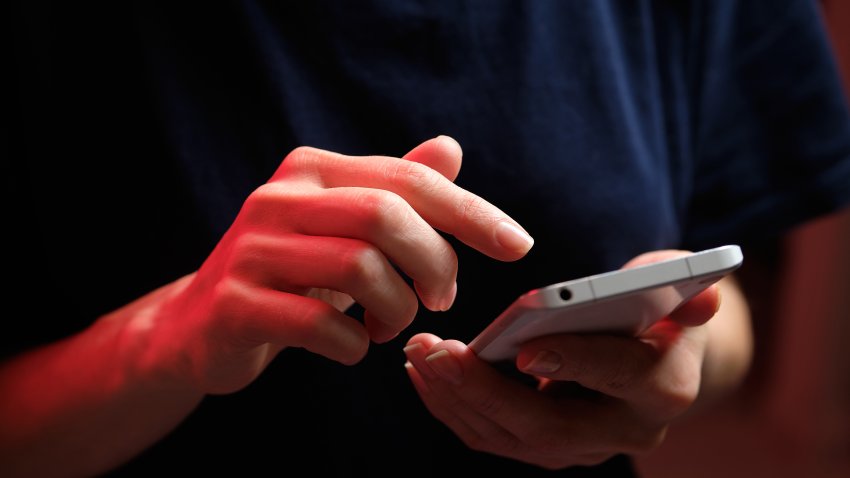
(605, 128)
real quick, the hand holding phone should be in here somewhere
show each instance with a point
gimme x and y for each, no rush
(625, 301)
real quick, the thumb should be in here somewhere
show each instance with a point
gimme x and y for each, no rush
(442, 154)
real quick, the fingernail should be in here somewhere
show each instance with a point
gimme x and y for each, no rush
(410, 349)
(415, 353)
(449, 299)
(545, 362)
(446, 366)
(513, 238)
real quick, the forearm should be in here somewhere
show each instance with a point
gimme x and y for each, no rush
(729, 347)
(812, 327)
(92, 401)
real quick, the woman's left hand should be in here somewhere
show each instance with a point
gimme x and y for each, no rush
(598, 395)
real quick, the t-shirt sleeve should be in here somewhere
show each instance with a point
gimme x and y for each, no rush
(772, 135)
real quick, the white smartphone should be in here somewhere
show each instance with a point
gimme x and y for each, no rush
(625, 301)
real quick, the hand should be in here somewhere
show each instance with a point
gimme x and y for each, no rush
(325, 231)
(598, 395)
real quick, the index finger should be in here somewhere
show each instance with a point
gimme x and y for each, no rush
(659, 373)
(443, 204)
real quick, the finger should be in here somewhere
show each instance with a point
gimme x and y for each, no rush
(440, 202)
(440, 412)
(375, 216)
(468, 434)
(288, 261)
(611, 365)
(379, 330)
(475, 430)
(534, 424)
(417, 349)
(486, 391)
(659, 372)
(608, 364)
(258, 315)
(442, 154)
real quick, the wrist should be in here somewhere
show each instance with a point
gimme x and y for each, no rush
(150, 343)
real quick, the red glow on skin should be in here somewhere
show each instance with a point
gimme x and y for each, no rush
(352, 227)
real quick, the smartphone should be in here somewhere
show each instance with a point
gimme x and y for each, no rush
(625, 301)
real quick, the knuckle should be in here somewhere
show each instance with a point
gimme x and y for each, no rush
(471, 206)
(306, 333)
(361, 266)
(228, 299)
(265, 194)
(258, 200)
(300, 157)
(381, 209)
(414, 176)
(301, 161)
(629, 368)
(248, 253)
(263, 200)
(233, 308)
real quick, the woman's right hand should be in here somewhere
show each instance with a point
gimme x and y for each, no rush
(324, 232)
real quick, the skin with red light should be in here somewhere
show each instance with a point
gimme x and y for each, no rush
(325, 231)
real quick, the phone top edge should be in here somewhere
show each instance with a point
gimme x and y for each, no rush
(721, 259)
(710, 262)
